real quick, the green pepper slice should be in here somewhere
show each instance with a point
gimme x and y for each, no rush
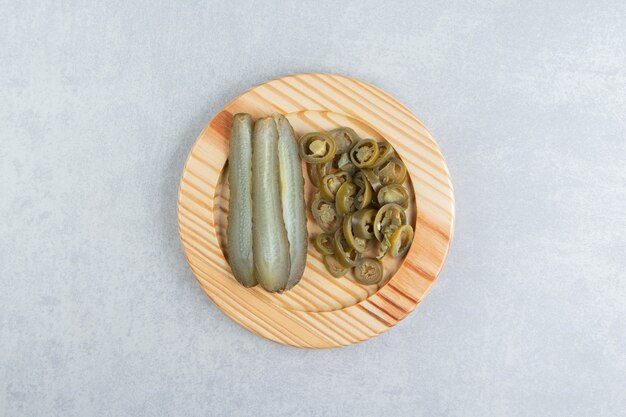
(385, 151)
(363, 223)
(345, 164)
(333, 266)
(345, 254)
(388, 219)
(317, 171)
(329, 186)
(392, 171)
(356, 243)
(368, 271)
(325, 214)
(345, 138)
(383, 248)
(400, 240)
(364, 193)
(317, 147)
(344, 199)
(364, 153)
(324, 244)
(331, 183)
(393, 193)
(343, 176)
(372, 178)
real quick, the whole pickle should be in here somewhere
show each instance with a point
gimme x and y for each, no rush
(239, 229)
(292, 198)
(270, 241)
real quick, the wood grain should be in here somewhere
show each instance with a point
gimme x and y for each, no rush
(321, 311)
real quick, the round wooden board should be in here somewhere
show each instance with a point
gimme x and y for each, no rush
(321, 311)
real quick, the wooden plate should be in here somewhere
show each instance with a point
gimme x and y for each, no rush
(321, 311)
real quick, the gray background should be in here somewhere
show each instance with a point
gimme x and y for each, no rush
(100, 103)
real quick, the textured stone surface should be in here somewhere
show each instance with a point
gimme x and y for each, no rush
(100, 103)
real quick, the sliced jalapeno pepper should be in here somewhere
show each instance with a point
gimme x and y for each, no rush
(364, 153)
(331, 183)
(317, 147)
(317, 171)
(325, 214)
(329, 186)
(344, 199)
(343, 176)
(345, 138)
(388, 219)
(324, 244)
(372, 178)
(392, 171)
(345, 164)
(393, 193)
(356, 243)
(385, 151)
(368, 271)
(333, 266)
(383, 248)
(363, 223)
(400, 240)
(346, 255)
(364, 193)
